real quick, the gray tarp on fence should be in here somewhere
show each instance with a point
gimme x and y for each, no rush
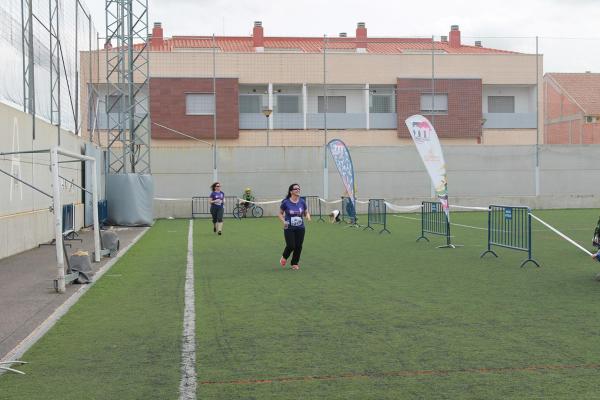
(130, 199)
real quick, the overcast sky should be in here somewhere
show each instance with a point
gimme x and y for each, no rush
(569, 38)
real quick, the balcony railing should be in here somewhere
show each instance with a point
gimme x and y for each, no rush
(383, 121)
(253, 121)
(288, 121)
(317, 121)
(509, 120)
(337, 121)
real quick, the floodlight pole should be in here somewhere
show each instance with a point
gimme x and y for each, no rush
(537, 121)
(325, 167)
(215, 170)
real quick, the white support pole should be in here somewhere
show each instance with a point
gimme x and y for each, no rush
(304, 106)
(325, 174)
(56, 206)
(325, 183)
(367, 97)
(270, 120)
(95, 211)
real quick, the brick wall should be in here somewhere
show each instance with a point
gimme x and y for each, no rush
(558, 105)
(563, 122)
(167, 107)
(591, 133)
(464, 116)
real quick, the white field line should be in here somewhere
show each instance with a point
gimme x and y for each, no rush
(45, 326)
(452, 223)
(469, 226)
(402, 216)
(485, 229)
(187, 386)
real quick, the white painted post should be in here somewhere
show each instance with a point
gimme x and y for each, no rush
(56, 205)
(325, 175)
(367, 97)
(270, 120)
(326, 182)
(304, 105)
(95, 211)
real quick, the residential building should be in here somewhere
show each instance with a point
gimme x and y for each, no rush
(572, 108)
(360, 89)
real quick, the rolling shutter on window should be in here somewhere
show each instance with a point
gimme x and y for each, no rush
(199, 104)
(501, 104)
(335, 104)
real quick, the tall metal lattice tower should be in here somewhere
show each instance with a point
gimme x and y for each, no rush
(54, 65)
(28, 60)
(127, 74)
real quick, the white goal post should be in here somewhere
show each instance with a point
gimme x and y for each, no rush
(57, 207)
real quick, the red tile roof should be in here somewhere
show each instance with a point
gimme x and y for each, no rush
(315, 45)
(584, 88)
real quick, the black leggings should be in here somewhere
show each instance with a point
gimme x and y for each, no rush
(293, 243)
(217, 213)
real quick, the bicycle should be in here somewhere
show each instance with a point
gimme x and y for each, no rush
(240, 211)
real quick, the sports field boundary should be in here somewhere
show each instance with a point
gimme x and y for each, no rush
(49, 322)
(187, 386)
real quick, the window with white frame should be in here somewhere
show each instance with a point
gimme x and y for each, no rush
(438, 103)
(381, 103)
(335, 104)
(287, 103)
(501, 104)
(250, 103)
(199, 104)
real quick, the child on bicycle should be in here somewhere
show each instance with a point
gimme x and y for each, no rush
(248, 198)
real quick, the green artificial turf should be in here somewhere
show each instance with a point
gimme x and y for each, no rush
(368, 316)
(385, 317)
(122, 340)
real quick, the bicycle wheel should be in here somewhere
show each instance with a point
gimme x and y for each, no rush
(257, 211)
(237, 212)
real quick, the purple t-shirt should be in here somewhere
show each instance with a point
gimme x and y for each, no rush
(293, 213)
(218, 197)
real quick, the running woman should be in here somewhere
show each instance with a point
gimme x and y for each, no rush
(217, 207)
(292, 212)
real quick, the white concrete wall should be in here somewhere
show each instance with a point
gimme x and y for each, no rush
(25, 218)
(477, 175)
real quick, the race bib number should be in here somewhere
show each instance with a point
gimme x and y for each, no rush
(296, 221)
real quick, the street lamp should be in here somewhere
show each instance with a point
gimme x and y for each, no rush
(267, 112)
